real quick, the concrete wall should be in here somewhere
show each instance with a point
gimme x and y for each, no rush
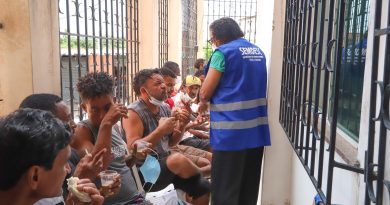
(276, 186)
(175, 25)
(148, 34)
(29, 56)
(200, 17)
(264, 27)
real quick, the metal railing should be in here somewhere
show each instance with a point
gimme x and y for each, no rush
(312, 58)
(379, 124)
(162, 32)
(98, 35)
(244, 12)
(189, 43)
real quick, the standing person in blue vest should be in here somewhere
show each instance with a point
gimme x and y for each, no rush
(236, 87)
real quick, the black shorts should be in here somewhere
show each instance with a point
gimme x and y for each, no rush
(194, 186)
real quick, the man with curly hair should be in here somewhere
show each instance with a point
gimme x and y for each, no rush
(97, 133)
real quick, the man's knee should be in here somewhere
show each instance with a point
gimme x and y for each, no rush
(175, 162)
(202, 162)
(180, 165)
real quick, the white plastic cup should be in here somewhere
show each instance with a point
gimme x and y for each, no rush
(107, 178)
(141, 145)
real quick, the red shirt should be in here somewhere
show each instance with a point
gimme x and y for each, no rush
(170, 102)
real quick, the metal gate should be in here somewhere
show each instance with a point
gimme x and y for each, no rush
(162, 32)
(315, 40)
(98, 35)
(242, 11)
(189, 33)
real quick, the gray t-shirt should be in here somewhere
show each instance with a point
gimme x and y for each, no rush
(150, 123)
(128, 192)
(50, 201)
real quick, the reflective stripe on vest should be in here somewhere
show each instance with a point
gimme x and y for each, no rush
(238, 105)
(246, 124)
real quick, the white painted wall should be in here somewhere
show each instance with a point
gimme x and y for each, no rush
(264, 27)
(276, 183)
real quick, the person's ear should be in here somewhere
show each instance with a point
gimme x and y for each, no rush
(84, 106)
(143, 90)
(33, 176)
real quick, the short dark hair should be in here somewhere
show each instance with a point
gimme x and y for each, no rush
(226, 29)
(167, 72)
(172, 66)
(95, 85)
(199, 73)
(198, 62)
(41, 101)
(29, 137)
(141, 77)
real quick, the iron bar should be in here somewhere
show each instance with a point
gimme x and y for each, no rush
(369, 193)
(384, 31)
(78, 54)
(86, 33)
(318, 80)
(333, 129)
(69, 59)
(311, 59)
(106, 24)
(382, 128)
(93, 34)
(100, 42)
(348, 167)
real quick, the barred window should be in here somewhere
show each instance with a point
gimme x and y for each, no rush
(162, 32)
(189, 47)
(97, 35)
(352, 66)
(321, 89)
(242, 11)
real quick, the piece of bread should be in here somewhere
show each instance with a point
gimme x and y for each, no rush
(72, 187)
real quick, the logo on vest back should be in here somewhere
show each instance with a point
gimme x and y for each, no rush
(251, 53)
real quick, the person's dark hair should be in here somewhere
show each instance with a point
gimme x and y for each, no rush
(29, 137)
(167, 72)
(198, 73)
(141, 77)
(95, 85)
(226, 29)
(41, 101)
(172, 66)
(198, 62)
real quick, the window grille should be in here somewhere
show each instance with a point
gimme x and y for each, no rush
(312, 56)
(352, 66)
(163, 32)
(189, 47)
(133, 36)
(98, 35)
(242, 11)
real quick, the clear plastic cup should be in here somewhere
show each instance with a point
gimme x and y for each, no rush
(107, 178)
(141, 145)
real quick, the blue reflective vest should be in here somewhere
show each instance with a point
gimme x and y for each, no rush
(238, 107)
